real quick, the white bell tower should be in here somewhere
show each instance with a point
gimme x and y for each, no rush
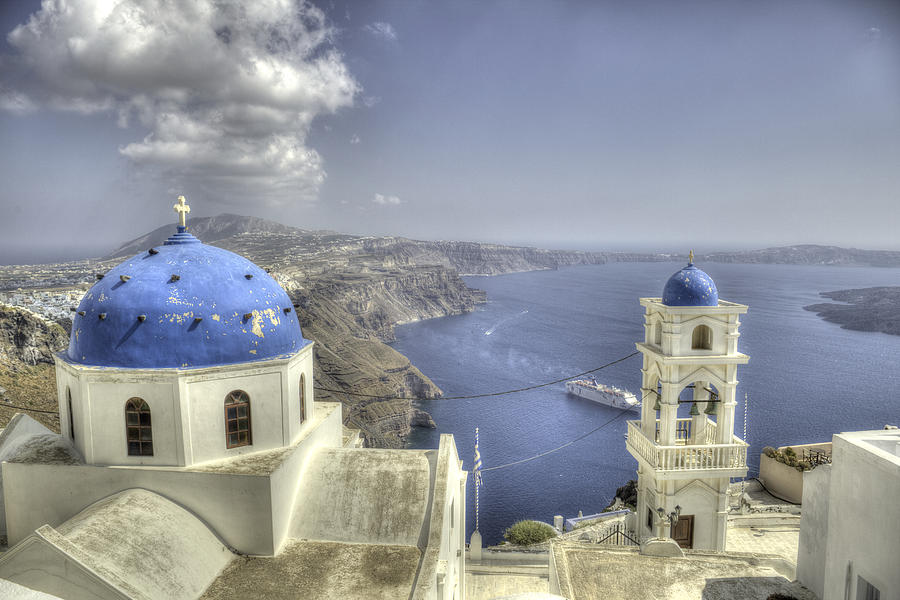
(686, 460)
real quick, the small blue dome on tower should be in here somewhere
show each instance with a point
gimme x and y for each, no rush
(690, 287)
(184, 305)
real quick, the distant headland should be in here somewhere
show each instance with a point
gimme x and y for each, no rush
(866, 309)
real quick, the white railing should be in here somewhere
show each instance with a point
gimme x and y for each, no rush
(686, 457)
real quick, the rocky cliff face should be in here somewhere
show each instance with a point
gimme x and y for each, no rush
(471, 258)
(349, 317)
(379, 300)
(28, 340)
(27, 378)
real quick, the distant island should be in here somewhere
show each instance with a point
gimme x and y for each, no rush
(808, 254)
(866, 309)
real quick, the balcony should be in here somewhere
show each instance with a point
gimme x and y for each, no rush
(682, 459)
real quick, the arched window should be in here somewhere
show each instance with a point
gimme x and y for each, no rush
(302, 397)
(139, 431)
(701, 338)
(237, 419)
(71, 418)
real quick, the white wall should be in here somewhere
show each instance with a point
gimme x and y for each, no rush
(187, 408)
(682, 344)
(236, 507)
(239, 507)
(442, 573)
(863, 517)
(814, 529)
(20, 429)
(303, 365)
(205, 402)
(697, 499)
(453, 523)
(66, 380)
(106, 412)
(322, 430)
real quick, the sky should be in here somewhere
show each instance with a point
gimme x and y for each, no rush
(607, 125)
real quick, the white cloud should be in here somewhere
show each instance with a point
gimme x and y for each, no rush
(354, 139)
(370, 101)
(382, 30)
(16, 102)
(386, 200)
(227, 92)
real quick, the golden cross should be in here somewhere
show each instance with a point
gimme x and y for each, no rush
(182, 209)
(690, 256)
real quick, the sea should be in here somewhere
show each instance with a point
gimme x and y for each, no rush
(807, 379)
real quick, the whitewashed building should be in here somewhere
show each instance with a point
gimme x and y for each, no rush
(684, 441)
(194, 463)
(850, 527)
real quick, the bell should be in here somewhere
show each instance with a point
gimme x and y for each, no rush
(656, 406)
(710, 408)
(694, 410)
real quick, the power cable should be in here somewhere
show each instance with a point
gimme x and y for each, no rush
(774, 495)
(37, 410)
(567, 444)
(524, 389)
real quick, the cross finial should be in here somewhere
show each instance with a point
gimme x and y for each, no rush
(182, 209)
(690, 255)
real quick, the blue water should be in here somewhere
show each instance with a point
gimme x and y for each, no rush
(807, 378)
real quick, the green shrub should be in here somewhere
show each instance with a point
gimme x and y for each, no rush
(769, 451)
(789, 451)
(526, 533)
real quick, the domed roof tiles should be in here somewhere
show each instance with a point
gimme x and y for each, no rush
(184, 305)
(690, 287)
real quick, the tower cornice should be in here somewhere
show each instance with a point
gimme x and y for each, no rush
(738, 358)
(724, 307)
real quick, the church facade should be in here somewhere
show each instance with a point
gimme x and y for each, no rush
(192, 461)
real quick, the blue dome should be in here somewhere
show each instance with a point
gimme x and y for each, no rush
(184, 305)
(690, 287)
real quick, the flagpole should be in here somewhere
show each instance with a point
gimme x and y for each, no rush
(478, 482)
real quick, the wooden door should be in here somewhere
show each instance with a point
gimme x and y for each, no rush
(683, 532)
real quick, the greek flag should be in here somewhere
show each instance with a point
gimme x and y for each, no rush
(478, 481)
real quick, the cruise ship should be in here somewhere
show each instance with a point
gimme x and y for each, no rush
(603, 394)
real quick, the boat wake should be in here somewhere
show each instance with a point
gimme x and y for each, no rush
(503, 322)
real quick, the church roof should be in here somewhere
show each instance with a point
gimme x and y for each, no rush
(182, 305)
(690, 287)
(145, 544)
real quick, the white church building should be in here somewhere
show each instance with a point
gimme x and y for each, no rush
(193, 463)
(689, 374)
